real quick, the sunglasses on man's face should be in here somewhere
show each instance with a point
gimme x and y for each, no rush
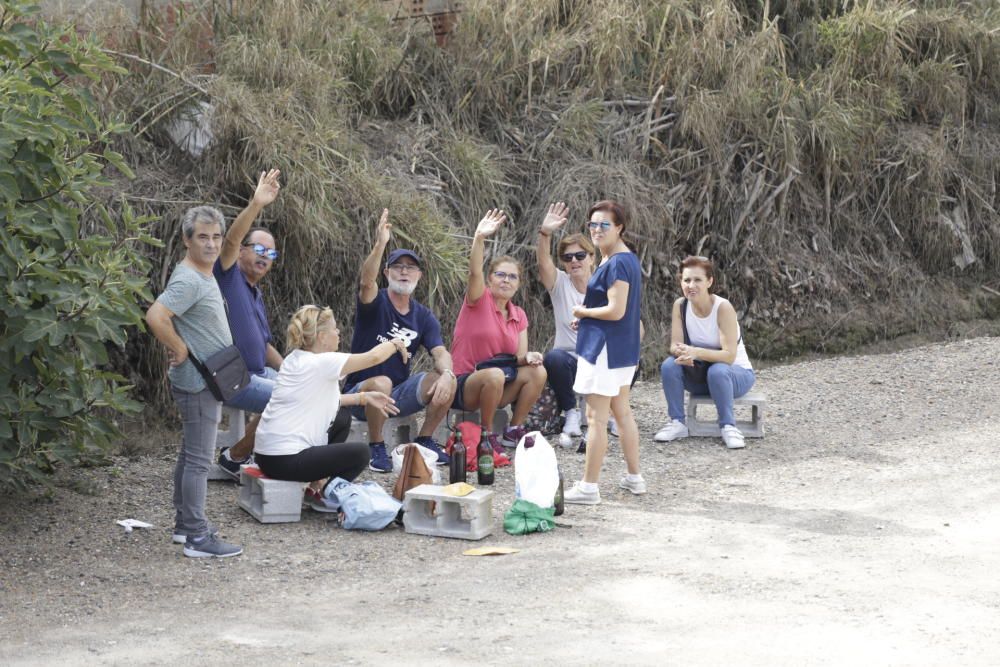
(262, 251)
(570, 256)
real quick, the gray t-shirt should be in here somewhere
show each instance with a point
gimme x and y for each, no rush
(200, 320)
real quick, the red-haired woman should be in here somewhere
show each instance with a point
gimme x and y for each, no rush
(706, 333)
(608, 348)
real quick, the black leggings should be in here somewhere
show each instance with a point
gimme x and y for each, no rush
(345, 460)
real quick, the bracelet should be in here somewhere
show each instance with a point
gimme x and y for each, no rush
(449, 372)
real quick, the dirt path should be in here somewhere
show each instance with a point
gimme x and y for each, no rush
(862, 530)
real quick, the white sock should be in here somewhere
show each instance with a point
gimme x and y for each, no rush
(588, 487)
(634, 478)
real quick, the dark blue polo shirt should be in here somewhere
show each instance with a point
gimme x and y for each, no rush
(247, 317)
(621, 336)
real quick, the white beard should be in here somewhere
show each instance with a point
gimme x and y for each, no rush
(403, 289)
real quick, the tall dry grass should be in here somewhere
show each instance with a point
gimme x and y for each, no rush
(834, 157)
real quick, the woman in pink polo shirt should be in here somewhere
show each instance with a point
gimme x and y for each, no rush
(489, 325)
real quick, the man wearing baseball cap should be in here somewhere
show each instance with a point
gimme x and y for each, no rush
(387, 313)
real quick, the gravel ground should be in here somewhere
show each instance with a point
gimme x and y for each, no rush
(861, 529)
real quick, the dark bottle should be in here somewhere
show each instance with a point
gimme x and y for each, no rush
(558, 501)
(484, 456)
(456, 464)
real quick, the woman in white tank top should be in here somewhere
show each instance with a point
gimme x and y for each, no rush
(707, 332)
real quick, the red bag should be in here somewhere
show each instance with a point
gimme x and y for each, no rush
(470, 432)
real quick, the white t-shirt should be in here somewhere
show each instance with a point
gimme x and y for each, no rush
(303, 404)
(564, 298)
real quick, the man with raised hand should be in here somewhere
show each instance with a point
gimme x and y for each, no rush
(189, 318)
(387, 313)
(247, 255)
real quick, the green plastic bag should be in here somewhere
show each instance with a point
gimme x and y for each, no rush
(525, 517)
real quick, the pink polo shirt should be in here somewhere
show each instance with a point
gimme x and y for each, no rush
(482, 331)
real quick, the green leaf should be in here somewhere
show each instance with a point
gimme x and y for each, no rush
(119, 163)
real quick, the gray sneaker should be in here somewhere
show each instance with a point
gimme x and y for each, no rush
(181, 535)
(637, 487)
(210, 547)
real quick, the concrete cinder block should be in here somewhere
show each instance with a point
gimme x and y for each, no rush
(397, 430)
(269, 500)
(235, 431)
(427, 510)
(750, 429)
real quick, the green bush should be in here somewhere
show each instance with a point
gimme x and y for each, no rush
(67, 291)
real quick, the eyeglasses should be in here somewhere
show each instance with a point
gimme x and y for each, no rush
(263, 251)
(503, 275)
(603, 225)
(570, 256)
(403, 267)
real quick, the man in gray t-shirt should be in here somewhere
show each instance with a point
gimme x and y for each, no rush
(189, 318)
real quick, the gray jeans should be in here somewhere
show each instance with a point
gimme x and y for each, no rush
(200, 414)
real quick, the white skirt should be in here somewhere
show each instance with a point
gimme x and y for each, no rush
(599, 379)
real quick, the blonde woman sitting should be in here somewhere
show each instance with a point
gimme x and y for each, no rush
(292, 437)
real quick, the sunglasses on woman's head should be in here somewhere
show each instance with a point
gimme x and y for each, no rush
(603, 225)
(261, 251)
(570, 256)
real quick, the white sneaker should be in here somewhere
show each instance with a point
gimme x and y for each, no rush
(578, 496)
(675, 430)
(637, 488)
(565, 440)
(572, 425)
(732, 437)
(612, 427)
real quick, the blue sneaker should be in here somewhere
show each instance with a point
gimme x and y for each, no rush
(210, 547)
(380, 459)
(429, 443)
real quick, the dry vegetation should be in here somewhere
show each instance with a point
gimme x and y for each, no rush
(837, 158)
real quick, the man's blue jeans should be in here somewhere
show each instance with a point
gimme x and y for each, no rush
(255, 395)
(725, 384)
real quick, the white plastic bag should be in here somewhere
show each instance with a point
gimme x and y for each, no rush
(430, 458)
(536, 472)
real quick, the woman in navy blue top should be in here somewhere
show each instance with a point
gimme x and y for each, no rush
(608, 347)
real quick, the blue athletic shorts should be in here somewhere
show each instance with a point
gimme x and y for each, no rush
(406, 394)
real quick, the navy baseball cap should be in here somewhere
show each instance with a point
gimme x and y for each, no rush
(403, 252)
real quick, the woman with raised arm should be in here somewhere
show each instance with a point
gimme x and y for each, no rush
(608, 348)
(292, 441)
(707, 354)
(490, 347)
(566, 287)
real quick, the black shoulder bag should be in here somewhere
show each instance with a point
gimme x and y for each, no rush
(225, 373)
(699, 372)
